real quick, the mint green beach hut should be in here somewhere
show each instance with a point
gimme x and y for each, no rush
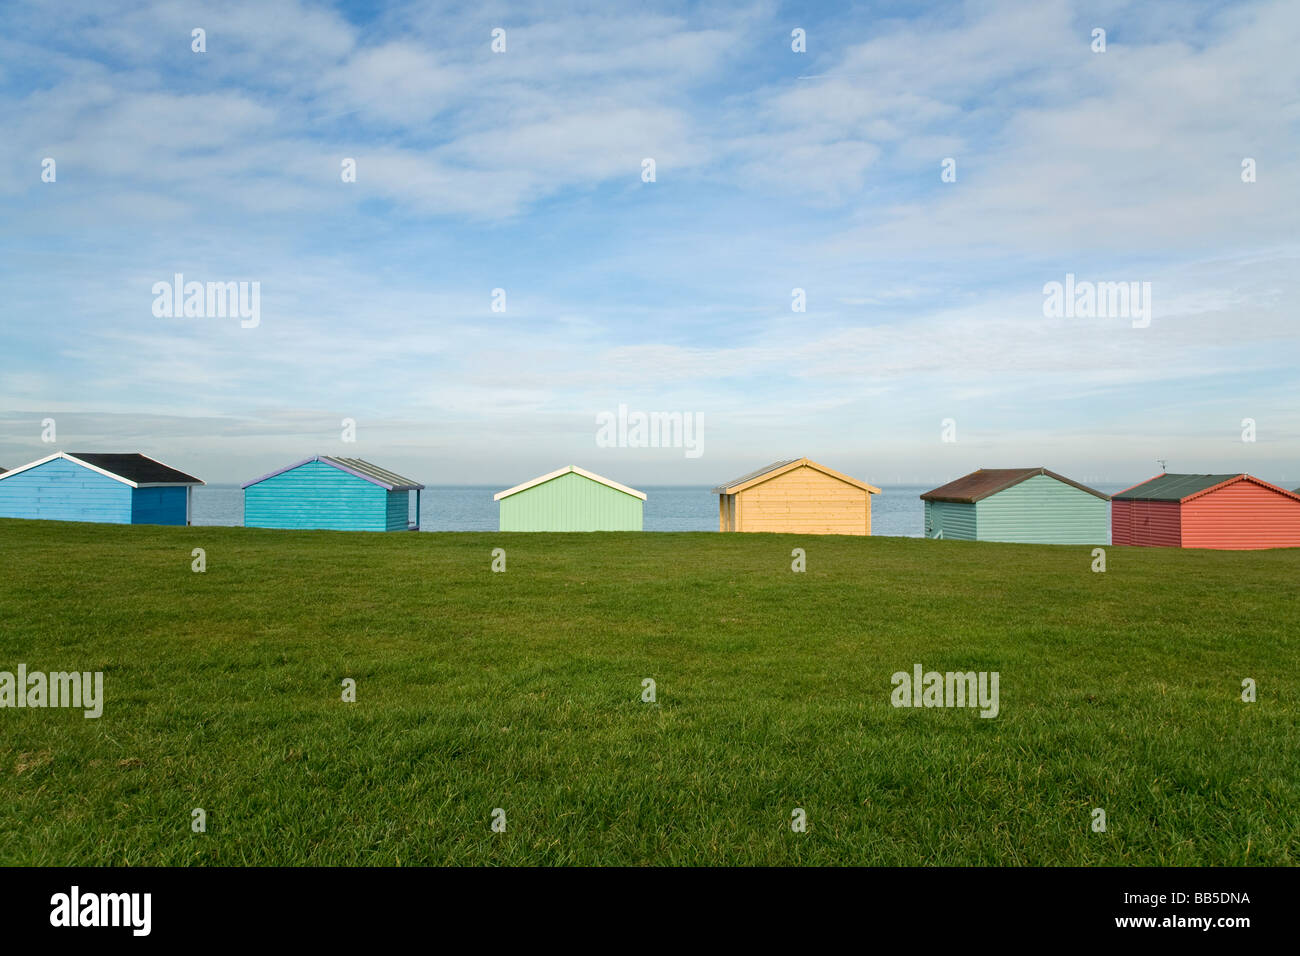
(570, 499)
(1031, 505)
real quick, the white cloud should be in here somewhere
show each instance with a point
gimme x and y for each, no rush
(1116, 166)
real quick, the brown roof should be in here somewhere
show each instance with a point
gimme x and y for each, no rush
(989, 481)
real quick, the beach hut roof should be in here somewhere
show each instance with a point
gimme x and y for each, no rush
(564, 471)
(781, 467)
(1184, 487)
(359, 467)
(134, 469)
(743, 479)
(985, 482)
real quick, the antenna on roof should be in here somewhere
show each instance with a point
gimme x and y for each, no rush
(1162, 463)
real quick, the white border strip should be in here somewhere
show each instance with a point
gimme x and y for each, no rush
(564, 471)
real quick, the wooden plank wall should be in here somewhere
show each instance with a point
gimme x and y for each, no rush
(804, 501)
(60, 490)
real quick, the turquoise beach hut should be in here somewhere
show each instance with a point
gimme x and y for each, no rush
(1031, 505)
(117, 488)
(328, 493)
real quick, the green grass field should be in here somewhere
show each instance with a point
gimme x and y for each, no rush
(522, 690)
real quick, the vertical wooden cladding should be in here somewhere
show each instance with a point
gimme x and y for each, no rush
(570, 499)
(726, 512)
(1151, 523)
(1243, 515)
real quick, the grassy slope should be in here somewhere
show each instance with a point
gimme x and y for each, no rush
(522, 690)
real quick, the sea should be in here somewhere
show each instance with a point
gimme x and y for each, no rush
(896, 512)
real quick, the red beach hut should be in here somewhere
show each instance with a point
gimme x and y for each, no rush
(1230, 512)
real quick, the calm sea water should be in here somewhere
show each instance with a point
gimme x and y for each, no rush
(898, 512)
(667, 508)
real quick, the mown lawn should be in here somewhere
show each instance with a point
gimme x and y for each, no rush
(522, 690)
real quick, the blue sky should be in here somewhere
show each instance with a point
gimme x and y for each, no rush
(774, 170)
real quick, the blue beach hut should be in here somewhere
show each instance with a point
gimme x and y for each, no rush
(111, 488)
(328, 493)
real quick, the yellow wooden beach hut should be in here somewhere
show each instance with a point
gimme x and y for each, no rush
(797, 496)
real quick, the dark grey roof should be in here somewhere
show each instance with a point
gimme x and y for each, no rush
(137, 468)
(1172, 487)
(722, 489)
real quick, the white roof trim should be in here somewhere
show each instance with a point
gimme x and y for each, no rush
(76, 461)
(31, 464)
(564, 471)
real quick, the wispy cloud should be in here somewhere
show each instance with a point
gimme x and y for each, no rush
(522, 171)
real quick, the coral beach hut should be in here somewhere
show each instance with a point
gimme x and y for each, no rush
(1030, 505)
(1229, 512)
(796, 496)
